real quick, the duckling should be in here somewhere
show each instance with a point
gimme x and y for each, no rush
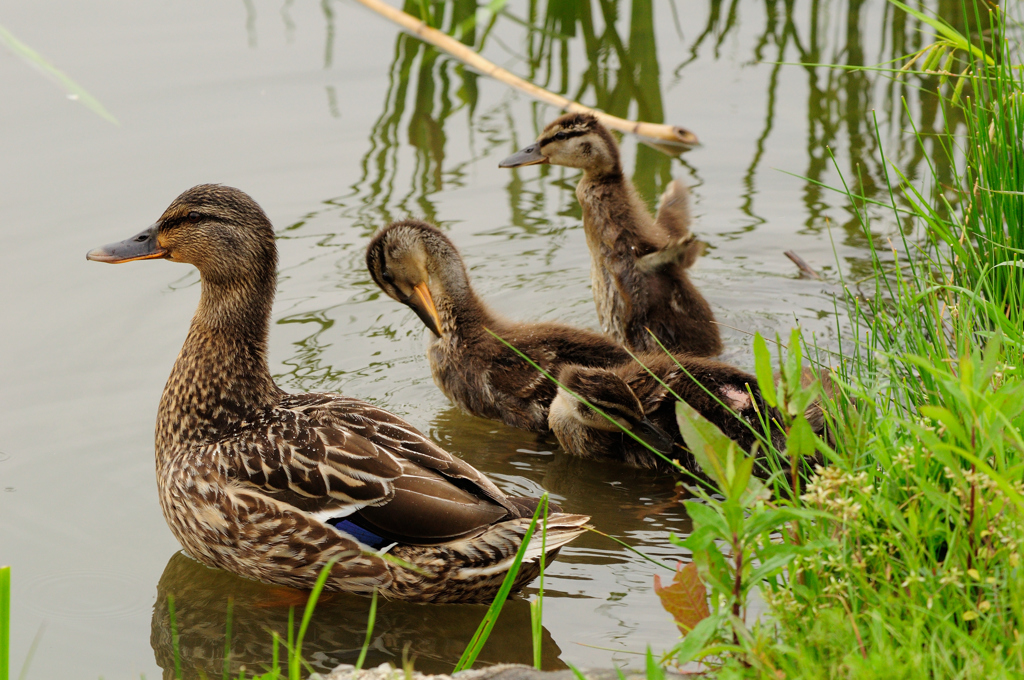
(276, 486)
(636, 401)
(417, 265)
(639, 265)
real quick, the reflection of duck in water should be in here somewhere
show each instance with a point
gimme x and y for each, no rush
(436, 636)
(272, 485)
(416, 264)
(639, 265)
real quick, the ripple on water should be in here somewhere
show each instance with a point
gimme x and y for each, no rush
(88, 594)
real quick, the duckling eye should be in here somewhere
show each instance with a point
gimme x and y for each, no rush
(387, 276)
(560, 135)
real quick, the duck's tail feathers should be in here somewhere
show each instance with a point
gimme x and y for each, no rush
(674, 211)
(494, 551)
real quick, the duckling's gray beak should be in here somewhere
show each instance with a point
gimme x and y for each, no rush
(531, 155)
(654, 435)
(423, 305)
(142, 246)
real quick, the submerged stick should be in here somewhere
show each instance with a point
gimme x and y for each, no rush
(802, 265)
(676, 138)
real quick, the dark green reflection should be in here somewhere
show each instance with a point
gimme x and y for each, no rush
(433, 635)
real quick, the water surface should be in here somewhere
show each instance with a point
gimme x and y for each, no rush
(337, 124)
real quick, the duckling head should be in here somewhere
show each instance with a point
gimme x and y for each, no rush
(606, 391)
(407, 259)
(221, 230)
(576, 140)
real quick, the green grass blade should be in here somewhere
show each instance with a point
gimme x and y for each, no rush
(295, 659)
(37, 60)
(627, 546)
(31, 652)
(607, 417)
(175, 643)
(946, 31)
(537, 606)
(226, 666)
(371, 619)
(483, 631)
(5, 622)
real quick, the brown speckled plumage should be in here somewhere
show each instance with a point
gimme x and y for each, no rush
(639, 264)
(249, 475)
(629, 393)
(475, 370)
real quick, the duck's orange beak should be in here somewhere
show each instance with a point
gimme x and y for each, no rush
(142, 246)
(423, 305)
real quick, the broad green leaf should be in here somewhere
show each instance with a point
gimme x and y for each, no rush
(763, 369)
(946, 417)
(794, 362)
(654, 671)
(696, 640)
(770, 565)
(800, 441)
(705, 516)
(741, 478)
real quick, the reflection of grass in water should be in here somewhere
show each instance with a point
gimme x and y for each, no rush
(75, 91)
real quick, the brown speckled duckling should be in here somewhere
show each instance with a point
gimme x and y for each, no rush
(416, 264)
(272, 486)
(639, 264)
(640, 403)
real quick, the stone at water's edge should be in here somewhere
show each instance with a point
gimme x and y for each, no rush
(500, 672)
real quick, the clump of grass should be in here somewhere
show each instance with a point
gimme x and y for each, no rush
(905, 549)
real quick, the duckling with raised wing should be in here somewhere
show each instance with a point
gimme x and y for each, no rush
(639, 264)
(274, 486)
(417, 265)
(645, 405)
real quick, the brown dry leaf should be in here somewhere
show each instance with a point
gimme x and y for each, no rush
(686, 598)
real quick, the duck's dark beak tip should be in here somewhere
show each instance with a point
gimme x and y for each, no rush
(423, 304)
(531, 155)
(142, 246)
(654, 435)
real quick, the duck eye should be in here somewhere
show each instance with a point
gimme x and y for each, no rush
(387, 276)
(560, 136)
(194, 216)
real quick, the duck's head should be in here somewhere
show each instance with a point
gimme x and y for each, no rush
(410, 258)
(608, 392)
(576, 140)
(219, 229)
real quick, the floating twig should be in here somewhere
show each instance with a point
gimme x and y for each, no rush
(669, 138)
(805, 269)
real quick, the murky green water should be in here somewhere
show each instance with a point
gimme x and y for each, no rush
(336, 125)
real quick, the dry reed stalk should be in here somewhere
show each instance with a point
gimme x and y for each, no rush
(676, 138)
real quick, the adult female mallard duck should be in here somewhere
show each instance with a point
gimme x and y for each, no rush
(416, 264)
(274, 486)
(639, 265)
(644, 405)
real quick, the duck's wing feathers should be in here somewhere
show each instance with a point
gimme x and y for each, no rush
(335, 457)
(674, 211)
(550, 346)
